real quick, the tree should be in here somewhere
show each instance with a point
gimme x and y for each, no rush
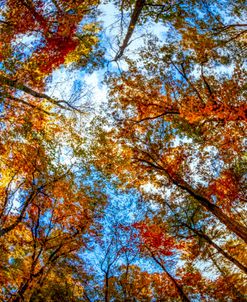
(192, 19)
(30, 117)
(197, 108)
(148, 150)
(46, 205)
(155, 241)
(50, 237)
(56, 34)
(132, 284)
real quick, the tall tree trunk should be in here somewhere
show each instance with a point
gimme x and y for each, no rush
(231, 224)
(107, 286)
(19, 296)
(180, 291)
(134, 18)
(235, 291)
(218, 248)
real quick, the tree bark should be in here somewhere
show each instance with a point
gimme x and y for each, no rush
(180, 291)
(107, 286)
(134, 18)
(232, 225)
(218, 248)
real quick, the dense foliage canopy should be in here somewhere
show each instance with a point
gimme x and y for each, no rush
(139, 197)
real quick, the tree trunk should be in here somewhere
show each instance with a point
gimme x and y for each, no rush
(134, 18)
(240, 297)
(19, 297)
(107, 286)
(181, 293)
(232, 225)
(219, 249)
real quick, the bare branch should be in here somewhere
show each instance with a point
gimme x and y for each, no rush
(19, 86)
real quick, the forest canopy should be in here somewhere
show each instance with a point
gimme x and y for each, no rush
(123, 150)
